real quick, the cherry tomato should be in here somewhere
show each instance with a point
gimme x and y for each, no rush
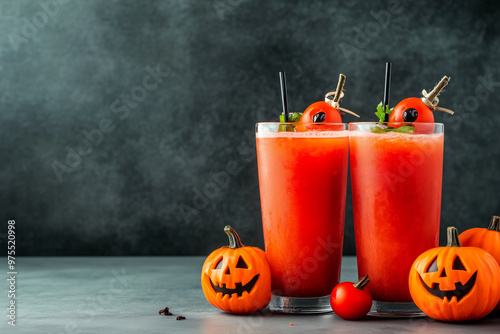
(351, 301)
(412, 109)
(321, 112)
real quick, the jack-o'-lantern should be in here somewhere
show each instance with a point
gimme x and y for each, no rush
(455, 283)
(237, 279)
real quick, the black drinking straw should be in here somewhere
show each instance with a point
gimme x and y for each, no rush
(284, 99)
(387, 89)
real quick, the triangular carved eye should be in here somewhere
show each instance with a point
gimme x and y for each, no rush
(219, 264)
(433, 267)
(458, 265)
(241, 264)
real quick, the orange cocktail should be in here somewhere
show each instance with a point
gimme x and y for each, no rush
(302, 179)
(396, 190)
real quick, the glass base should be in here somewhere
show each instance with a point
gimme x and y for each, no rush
(395, 310)
(280, 304)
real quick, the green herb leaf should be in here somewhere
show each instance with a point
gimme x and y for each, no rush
(377, 129)
(286, 128)
(295, 116)
(292, 117)
(402, 129)
(381, 112)
(405, 129)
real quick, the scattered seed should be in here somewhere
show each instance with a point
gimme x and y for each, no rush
(165, 311)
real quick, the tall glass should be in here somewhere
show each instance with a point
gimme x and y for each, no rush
(396, 191)
(302, 180)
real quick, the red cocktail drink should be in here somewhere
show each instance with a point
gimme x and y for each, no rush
(302, 179)
(396, 189)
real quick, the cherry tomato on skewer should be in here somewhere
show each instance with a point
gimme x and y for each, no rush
(327, 111)
(411, 109)
(419, 110)
(321, 112)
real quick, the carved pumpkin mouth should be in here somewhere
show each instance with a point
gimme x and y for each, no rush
(461, 290)
(239, 287)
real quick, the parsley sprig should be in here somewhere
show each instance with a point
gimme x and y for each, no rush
(401, 129)
(381, 112)
(292, 117)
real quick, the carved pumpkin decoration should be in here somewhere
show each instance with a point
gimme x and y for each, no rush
(455, 283)
(237, 279)
(485, 238)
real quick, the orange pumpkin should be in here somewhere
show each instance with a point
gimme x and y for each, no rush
(237, 279)
(455, 283)
(485, 238)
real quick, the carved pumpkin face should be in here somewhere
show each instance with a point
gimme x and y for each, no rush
(455, 283)
(447, 279)
(237, 279)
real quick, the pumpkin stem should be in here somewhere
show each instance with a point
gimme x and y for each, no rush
(362, 283)
(453, 237)
(495, 224)
(234, 238)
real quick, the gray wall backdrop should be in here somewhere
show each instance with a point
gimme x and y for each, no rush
(72, 66)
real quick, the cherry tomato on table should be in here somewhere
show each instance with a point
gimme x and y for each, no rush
(411, 109)
(351, 301)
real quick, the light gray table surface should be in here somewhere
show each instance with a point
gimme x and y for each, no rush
(123, 295)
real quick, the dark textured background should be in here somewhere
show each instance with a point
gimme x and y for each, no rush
(222, 59)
